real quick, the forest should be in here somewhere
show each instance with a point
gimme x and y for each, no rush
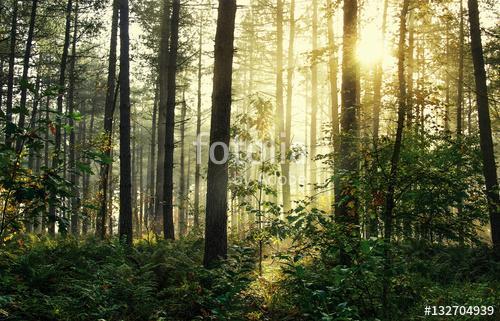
(319, 160)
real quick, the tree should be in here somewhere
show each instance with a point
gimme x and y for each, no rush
(125, 224)
(26, 65)
(197, 171)
(168, 184)
(60, 96)
(217, 180)
(314, 93)
(485, 135)
(288, 120)
(108, 123)
(75, 200)
(162, 113)
(10, 75)
(346, 201)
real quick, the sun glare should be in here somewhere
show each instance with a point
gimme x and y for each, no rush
(371, 48)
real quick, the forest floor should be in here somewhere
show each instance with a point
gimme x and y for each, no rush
(67, 279)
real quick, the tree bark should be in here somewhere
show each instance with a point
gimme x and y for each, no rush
(285, 167)
(314, 95)
(485, 135)
(168, 184)
(217, 181)
(10, 75)
(377, 83)
(26, 65)
(346, 206)
(197, 171)
(393, 176)
(60, 97)
(108, 124)
(151, 164)
(74, 178)
(182, 169)
(162, 116)
(125, 221)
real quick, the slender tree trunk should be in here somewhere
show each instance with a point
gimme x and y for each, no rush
(460, 81)
(285, 167)
(486, 140)
(151, 163)
(393, 176)
(182, 169)
(411, 63)
(108, 124)
(74, 178)
(278, 115)
(314, 94)
(162, 116)
(125, 226)
(10, 75)
(197, 171)
(141, 191)
(217, 181)
(26, 65)
(346, 211)
(168, 184)
(334, 104)
(377, 83)
(62, 82)
(447, 81)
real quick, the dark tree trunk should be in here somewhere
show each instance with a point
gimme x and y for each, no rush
(168, 184)
(377, 83)
(74, 178)
(197, 171)
(393, 176)
(10, 75)
(162, 116)
(460, 81)
(346, 211)
(125, 221)
(26, 65)
(182, 169)
(108, 124)
(486, 141)
(216, 206)
(151, 164)
(60, 94)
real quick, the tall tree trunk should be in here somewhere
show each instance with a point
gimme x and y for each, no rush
(447, 81)
(10, 75)
(285, 167)
(108, 124)
(141, 191)
(74, 178)
(182, 169)
(168, 184)
(26, 65)
(332, 77)
(279, 112)
(125, 221)
(217, 180)
(460, 81)
(346, 211)
(377, 83)
(486, 141)
(197, 171)
(411, 63)
(314, 94)
(151, 163)
(393, 176)
(162, 116)
(60, 95)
